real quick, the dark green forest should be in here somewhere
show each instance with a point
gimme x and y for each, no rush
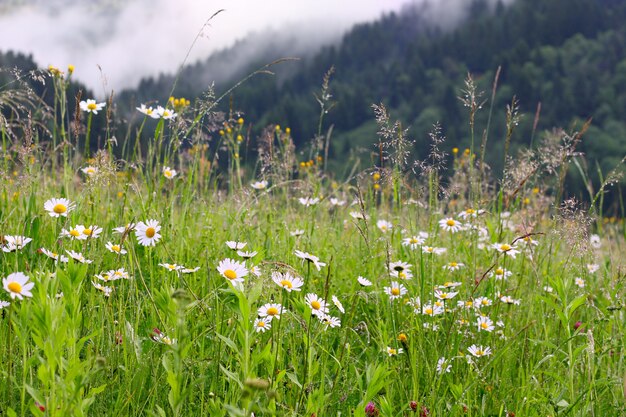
(566, 56)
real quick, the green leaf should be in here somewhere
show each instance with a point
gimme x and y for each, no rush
(232, 376)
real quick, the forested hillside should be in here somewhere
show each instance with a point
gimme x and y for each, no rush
(568, 56)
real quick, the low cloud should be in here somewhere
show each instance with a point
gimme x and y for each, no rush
(134, 39)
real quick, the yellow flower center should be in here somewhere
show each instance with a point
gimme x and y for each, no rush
(401, 275)
(286, 283)
(392, 351)
(428, 311)
(92, 106)
(261, 324)
(166, 113)
(87, 232)
(15, 287)
(402, 337)
(230, 274)
(413, 240)
(149, 111)
(272, 311)
(116, 248)
(505, 247)
(450, 222)
(74, 232)
(484, 302)
(171, 267)
(395, 291)
(499, 271)
(453, 264)
(316, 305)
(59, 208)
(484, 325)
(150, 232)
(470, 211)
(91, 171)
(480, 352)
(167, 173)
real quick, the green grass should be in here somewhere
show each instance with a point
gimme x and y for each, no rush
(85, 353)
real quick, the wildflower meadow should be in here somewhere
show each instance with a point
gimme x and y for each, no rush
(187, 267)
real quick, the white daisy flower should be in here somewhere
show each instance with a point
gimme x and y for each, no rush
(270, 311)
(159, 337)
(165, 113)
(106, 290)
(337, 303)
(262, 324)
(171, 267)
(453, 266)
(336, 202)
(54, 255)
(479, 351)
(75, 232)
(470, 213)
(89, 170)
(125, 229)
(441, 295)
(396, 290)
(413, 242)
(259, 185)
(433, 250)
(580, 282)
(297, 233)
(485, 323)
(393, 352)
(148, 111)
(77, 256)
(317, 304)
(364, 281)
(190, 270)
(18, 285)
(287, 281)
(501, 273)
(449, 284)
(330, 321)
(247, 255)
(507, 299)
(57, 207)
(384, 226)
(148, 233)
(90, 106)
(308, 201)
(236, 245)
(310, 258)
(480, 302)
(115, 248)
(232, 270)
(443, 366)
(450, 225)
(432, 310)
(357, 215)
(506, 249)
(169, 173)
(14, 243)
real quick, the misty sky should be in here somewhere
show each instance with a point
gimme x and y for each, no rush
(131, 39)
